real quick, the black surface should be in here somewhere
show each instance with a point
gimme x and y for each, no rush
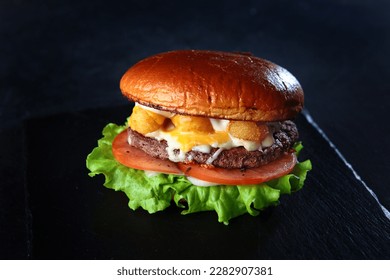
(65, 57)
(74, 216)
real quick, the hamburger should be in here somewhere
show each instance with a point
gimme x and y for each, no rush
(209, 131)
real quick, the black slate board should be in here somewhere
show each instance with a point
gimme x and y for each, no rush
(72, 216)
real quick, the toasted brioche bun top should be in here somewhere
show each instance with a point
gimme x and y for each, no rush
(214, 84)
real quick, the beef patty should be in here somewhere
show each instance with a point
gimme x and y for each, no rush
(285, 134)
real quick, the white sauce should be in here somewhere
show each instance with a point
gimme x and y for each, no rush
(202, 148)
(129, 140)
(200, 183)
(219, 125)
(162, 113)
(180, 157)
(190, 157)
(214, 156)
(268, 141)
(151, 173)
(172, 145)
(248, 145)
(194, 181)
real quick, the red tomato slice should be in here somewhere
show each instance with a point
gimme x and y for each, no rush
(272, 170)
(136, 158)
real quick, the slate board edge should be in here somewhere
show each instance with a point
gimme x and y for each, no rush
(311, 121)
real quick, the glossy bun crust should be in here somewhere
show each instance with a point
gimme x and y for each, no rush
(215, 84)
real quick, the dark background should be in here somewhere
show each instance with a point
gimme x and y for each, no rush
(57, 58)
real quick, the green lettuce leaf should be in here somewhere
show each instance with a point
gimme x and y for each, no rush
(155, 193)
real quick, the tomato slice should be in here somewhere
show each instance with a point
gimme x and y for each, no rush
(138, 159)
(272, 170)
